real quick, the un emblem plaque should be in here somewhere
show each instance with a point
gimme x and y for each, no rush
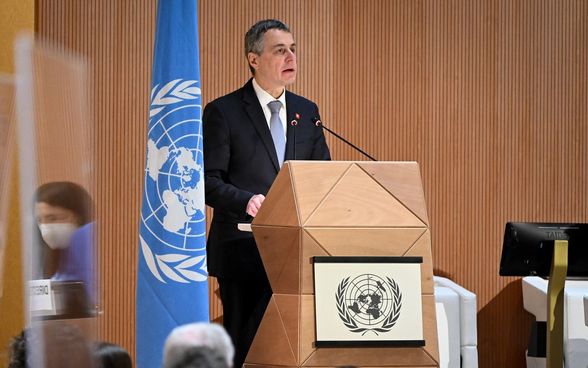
(368, 301)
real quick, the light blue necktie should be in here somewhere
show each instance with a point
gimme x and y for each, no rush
(277, 130)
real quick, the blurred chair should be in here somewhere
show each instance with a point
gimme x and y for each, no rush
(448, 344)
(456, 324)
(575, 318)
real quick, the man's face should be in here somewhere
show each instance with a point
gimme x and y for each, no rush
(276, 66)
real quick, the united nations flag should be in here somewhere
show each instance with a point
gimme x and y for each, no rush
(172, 284)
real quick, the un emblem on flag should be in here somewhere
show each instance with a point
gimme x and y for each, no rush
(173, 223)
(368, 303)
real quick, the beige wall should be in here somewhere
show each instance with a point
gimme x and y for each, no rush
(489, 96)
(15, 16)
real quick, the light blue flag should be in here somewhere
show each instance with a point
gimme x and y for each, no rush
(172, 287)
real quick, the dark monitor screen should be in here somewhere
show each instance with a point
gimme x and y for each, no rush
(528, 248)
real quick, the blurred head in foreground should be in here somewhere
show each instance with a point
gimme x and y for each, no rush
(111, 356)
(183, 345)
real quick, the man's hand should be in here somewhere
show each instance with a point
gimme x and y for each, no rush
(254, 204)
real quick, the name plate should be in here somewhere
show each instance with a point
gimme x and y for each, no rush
(368, 301)
(40, 296)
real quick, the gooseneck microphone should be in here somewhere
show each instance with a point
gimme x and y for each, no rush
(294, 123)
(316, 121)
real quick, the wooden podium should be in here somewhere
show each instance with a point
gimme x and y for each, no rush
(336, 208)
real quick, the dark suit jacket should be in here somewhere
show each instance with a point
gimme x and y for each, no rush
(240, 161)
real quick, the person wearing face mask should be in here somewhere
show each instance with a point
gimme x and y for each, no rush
(64, 213)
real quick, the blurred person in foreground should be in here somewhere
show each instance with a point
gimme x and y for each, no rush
(58, 344)
(184, 344)
(199, 357)
(17, 357)
(110, 355)
(248, 135)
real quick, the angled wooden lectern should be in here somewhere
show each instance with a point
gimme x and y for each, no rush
(338, 208)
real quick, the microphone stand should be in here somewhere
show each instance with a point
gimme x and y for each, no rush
(319, 123)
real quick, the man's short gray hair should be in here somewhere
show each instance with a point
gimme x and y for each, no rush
(254, 36)
(183, 338)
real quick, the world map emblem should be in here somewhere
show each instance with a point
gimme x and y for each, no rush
(173, 223)
(368, 303)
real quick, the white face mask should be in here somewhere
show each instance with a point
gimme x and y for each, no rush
(57, 236)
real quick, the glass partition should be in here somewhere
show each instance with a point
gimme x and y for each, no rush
(56, 188)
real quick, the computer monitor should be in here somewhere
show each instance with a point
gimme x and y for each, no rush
(528, 248)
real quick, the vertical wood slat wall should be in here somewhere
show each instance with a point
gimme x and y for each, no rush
(488, 96)
(117, 39)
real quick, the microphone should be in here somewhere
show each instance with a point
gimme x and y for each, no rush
(316, 121)
(294, 123)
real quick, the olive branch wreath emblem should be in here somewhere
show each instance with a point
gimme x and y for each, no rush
(351, 324)
(172, 92)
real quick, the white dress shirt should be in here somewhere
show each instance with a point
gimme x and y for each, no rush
(264, 98)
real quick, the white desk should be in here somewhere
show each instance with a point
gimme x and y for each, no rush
(575, 317)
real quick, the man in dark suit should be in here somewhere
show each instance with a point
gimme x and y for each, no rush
(247, 136)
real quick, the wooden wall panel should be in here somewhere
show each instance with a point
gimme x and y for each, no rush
(488, 96)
